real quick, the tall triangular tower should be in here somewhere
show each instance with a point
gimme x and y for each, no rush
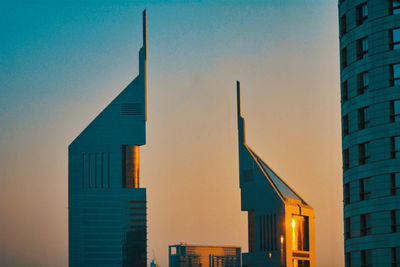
(280, 222)
(107, 208)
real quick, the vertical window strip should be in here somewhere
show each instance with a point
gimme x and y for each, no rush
(108, 169)
(102, 169)
(95, 170)
(260, 233)
(89, 167)
(83, 170)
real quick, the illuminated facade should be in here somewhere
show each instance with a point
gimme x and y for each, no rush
(370, 101)
(184, 255)
(280, 222)
(107, 208)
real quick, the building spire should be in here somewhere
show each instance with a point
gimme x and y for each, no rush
(241, 123)
(145, 33)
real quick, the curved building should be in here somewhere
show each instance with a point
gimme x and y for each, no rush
(370, 97)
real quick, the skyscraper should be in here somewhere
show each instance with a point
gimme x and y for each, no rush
(280, 222)
(107, 208)
(370, 100)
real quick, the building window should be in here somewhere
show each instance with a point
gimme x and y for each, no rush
(362, 13)
(362, 48)
(366, 258)
(396, 257)
(365, 189)
(347, 233)
(396, 74)
(363, 118)
(395, 38)
(395, 183)
(395, 7)
(365, 224)
(345, 125)
(345, 92)
(343, 25)
(348, 259)
(347, 193)
(395, 221)
(363, 82)
(346, 159)
(300, 233)
(395, 110)
(395, 147)
(363, 153)
(344, 57)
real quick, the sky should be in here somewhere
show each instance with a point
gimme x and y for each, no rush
(62, 62)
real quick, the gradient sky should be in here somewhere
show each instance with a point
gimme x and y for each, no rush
(62, 62)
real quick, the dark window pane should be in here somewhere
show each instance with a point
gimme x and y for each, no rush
(343, 24)
(345, 93)
(346, 160)
(345, 125)
(396, 74)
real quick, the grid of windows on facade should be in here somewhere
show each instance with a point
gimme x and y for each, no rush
(395, 183)
(363, 118)
(365, 224)
(395, 6)
(363, 82)
(395, 110)
(395, 74)
(363, 153)
(366, 257)
(345, 92)
(395, 38)
(395, 147)
(362, 48)
(362, 13)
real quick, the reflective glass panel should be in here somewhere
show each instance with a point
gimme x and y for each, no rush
(281, 186)
(300, 239)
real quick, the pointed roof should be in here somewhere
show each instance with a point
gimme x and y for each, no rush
(282, 188)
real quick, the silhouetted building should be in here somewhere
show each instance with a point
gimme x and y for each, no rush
(280, 222)
(370, 99)
(184, 255)
(107, 209)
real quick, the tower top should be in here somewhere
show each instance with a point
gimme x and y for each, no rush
(145, 33)
(241, 123)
